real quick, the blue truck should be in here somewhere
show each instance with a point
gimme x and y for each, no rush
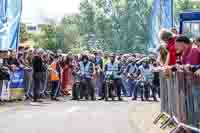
(190, 23)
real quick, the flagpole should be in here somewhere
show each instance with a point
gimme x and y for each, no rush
(161, 4)
(172, 12)
(19, 29)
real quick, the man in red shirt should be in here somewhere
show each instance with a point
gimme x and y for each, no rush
(189, 55)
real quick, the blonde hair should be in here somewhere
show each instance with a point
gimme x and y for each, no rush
(165, 35)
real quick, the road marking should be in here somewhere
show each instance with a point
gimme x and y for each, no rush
(73, 109)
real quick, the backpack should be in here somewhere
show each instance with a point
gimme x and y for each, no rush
(4, 74)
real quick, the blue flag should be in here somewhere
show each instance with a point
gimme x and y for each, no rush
(161, 17)
(154, 25)
(167, 14)
(10, 14)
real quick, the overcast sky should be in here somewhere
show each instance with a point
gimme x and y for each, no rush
(35, 11)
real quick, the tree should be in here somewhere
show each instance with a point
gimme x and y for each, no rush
(87, 21)
(64, 35)
(24, 36)
(103, 25)
(185, 5)
(70, 29)
(47, 37)
(109, 25)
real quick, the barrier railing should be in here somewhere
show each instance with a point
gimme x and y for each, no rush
(180, 100)
(21, 84)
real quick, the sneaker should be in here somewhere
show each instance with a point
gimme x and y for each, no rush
(147, 99)
(39, 101)
(155, 100)
(113, 99)
(55, 99)
(101, 99)
(68, 94)
(120, 99)
(93, 99)
(74, 99)
(26, 98)
(134, 99)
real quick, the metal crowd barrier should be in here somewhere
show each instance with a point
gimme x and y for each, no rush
(27, 85)
(180, 97)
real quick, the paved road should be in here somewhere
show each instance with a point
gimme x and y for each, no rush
(71, 117)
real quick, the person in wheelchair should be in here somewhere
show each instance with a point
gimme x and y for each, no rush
(145, 82)
(113, 74)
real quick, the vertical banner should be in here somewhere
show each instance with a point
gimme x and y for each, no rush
(167, 14)
(161, 17)
(3, 25)
(10, 14)
(154, 25)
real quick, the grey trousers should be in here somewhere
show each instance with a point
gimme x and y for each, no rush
(28, 81)
(1, 85)
(45, 79)
(37, 81)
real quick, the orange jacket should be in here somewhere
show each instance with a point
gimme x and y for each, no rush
(54, 75)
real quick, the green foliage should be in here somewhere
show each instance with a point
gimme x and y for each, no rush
(185, 5)
(116, 25)
(47, 38)
(23, 33)
(69, 32)
(109, 25)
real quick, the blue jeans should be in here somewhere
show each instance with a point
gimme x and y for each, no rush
(99, 84)
(124, 87)
(55, 89)
(131, 87)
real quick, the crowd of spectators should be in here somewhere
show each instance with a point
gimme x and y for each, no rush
(51, 74)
